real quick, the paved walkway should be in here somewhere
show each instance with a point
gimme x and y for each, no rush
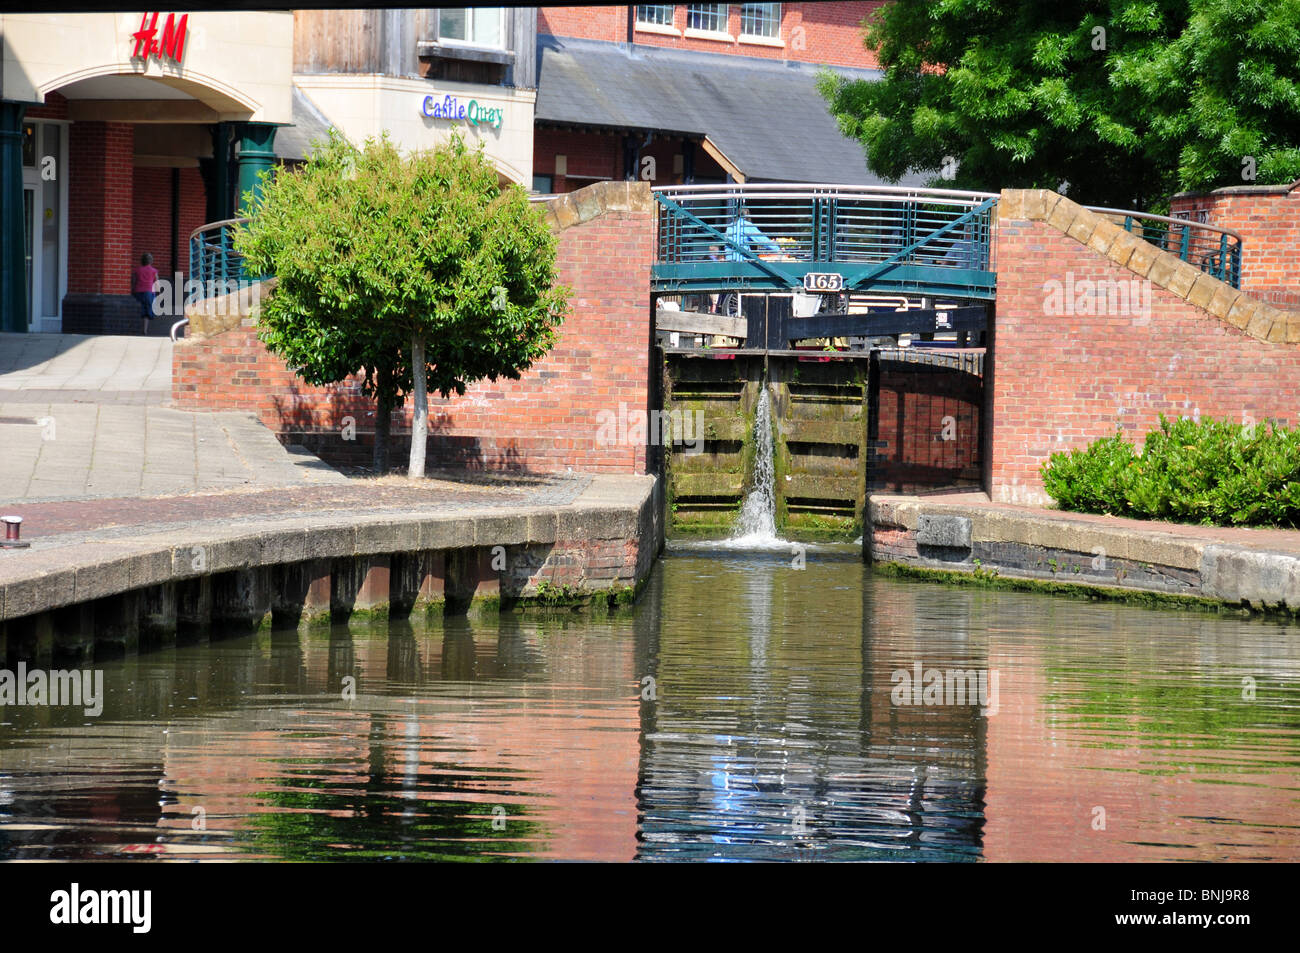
(83, 418)
(71, 522)
(116, 369)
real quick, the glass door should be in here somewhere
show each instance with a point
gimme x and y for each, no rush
(29, 253)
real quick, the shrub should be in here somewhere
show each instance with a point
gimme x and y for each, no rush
(1209, 471)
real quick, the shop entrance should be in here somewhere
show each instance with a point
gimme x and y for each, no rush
(44, 223)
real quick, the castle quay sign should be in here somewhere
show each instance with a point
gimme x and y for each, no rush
(472, 112)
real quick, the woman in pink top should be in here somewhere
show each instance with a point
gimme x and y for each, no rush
(143, 278)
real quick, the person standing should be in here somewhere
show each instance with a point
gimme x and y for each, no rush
(143, 278)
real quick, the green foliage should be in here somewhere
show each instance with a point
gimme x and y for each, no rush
(1174, 94)
(373, 250)
(1212, 472)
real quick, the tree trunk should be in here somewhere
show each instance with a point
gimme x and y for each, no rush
(383, 419)
(420, 423)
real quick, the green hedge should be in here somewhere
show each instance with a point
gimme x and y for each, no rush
(1213, 472)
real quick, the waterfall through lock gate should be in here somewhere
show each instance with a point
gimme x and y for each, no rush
(756, 526)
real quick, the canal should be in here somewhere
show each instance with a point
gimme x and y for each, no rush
(745, 709)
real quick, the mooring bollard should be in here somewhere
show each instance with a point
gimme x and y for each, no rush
(13, 528)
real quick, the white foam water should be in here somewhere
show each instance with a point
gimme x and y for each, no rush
(756, 526)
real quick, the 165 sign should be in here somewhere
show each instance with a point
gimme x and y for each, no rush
(170, 45)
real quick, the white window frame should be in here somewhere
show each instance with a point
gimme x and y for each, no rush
(666, 29)
(706, 34)
(761, 38)
(470, 13)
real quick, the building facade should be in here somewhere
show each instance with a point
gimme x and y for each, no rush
(696, 93)
(122, 133)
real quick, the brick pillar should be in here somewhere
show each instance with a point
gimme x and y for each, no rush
(100, 207)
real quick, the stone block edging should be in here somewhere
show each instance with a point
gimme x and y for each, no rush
(1084, 553)
(1256, 318)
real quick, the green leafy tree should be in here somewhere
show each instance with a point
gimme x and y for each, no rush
(421, 273)
(1124, 102)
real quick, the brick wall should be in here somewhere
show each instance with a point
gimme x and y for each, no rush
(829, 33)
(1194, 347)
(601, 154)
(586, 153)
(56, 107)
(546, 421)
(916, 445)
(100, 207)
(152, 216)
(1268, 219)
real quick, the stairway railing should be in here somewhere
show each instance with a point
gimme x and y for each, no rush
(1214, 250)
(214, 263)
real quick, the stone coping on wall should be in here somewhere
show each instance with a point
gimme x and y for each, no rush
(967, 533)
(1256, 318)
(1242, 190)
(63, 573)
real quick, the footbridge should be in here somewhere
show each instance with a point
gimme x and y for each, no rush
(880, 260)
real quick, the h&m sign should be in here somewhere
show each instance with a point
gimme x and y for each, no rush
(171, 44)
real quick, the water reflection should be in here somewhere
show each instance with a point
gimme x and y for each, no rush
(771, 735)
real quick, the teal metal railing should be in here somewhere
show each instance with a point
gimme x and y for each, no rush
(1214, 250)
(214, 263)
(769, 236)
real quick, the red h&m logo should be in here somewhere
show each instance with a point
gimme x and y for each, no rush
(172, 44)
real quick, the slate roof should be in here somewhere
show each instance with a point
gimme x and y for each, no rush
(765, 115)
(309, 125)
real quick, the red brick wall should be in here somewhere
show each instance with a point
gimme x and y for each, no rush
(100, 213)
(910, 451)
(1269, 224)
(586, 153)
(56, 107)
(152, 218)
(546, 421)
(829, 33)
(1063, 380)
(592, 153)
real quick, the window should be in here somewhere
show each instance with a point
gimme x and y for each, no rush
(29, 144)
(543, 184)
(480, 26)
(655, 14)
(709, 17)
(760, 19)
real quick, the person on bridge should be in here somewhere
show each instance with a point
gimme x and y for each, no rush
(747, 235)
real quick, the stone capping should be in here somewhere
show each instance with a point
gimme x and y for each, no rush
(1256, 318)
(1242, 190)
(214, 315)
(575, 208)
(1231, 573)
(44, 578)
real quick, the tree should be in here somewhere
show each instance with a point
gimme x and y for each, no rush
(421, 272)
(1118, 103)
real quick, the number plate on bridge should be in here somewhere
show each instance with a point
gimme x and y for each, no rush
(823, 281)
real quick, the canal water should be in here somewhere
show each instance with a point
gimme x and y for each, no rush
(747, 709)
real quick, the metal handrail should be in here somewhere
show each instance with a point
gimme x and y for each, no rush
(888, 238)
(1211, 248)
(803, 188)
(1173, 219)
(214, 263)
